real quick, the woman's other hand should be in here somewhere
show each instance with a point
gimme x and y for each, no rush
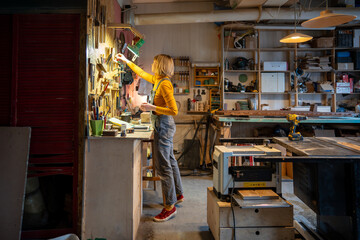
(147, 107)
(121, 57)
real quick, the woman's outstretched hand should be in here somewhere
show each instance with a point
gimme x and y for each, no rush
(147, 107)
(121, 57)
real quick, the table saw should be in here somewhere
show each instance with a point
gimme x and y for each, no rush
(327, 179)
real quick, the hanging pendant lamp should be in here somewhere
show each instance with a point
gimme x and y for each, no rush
(328, 19)
(296, 37)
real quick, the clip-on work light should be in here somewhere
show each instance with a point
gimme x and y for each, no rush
(136, 48)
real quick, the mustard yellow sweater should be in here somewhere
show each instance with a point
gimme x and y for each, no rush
(164, 98)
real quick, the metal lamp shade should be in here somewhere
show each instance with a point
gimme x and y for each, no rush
(296, 38)
(328, 19)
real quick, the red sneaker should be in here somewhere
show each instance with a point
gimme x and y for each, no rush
(165, 215)
(180, 199)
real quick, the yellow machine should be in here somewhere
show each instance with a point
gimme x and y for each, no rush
(295, 120)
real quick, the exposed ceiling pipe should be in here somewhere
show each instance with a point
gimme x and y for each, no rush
(248, 14)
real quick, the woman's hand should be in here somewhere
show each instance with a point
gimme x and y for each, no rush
(121, 57)
(147, 107)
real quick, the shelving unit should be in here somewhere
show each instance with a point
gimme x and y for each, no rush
(206, 76)
(215, 99)
(268, 48)
(181, 78)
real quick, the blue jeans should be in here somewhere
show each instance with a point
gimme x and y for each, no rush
(165, 162)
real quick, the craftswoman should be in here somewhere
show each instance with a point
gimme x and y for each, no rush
(163, 107)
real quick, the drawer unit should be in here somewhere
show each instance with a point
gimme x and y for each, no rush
(263, 223)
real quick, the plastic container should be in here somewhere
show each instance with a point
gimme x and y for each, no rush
(97, 127)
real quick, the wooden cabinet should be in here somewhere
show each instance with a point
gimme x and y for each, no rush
(247, 57)
(206, 76)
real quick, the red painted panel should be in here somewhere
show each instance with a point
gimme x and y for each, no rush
(47, 84)
(5, 69)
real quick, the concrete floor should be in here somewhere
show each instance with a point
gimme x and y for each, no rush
(190, 220)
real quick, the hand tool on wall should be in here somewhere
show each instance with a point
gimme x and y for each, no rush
(198, 96)
(295, 120)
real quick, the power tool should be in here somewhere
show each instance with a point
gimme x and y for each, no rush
(295, 120)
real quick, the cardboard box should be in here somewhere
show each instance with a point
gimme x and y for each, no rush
(345, 66)
(229, 42)
(323, 42)
(343, 87)
(343, 90)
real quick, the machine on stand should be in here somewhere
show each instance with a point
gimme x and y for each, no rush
(245, 201)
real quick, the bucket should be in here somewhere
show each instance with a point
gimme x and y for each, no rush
(97, 127)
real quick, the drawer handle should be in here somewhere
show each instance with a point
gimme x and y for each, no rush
(256, 210)
(257, 233)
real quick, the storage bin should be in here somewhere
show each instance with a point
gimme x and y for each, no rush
(323, 42)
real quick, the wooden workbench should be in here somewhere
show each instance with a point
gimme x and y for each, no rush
(113, 186)
(329, 183)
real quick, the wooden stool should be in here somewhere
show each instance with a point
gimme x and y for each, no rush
(154, 178)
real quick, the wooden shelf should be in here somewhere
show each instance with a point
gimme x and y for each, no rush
(241, 71)
(317, 70)
(241, 49)
(287, 71)
(314, 93)
(314, 49)
(276, 49)
(122, 26)
(206, 76)
(196, 112)
(216, 85)
(340, 48)
(242, 93)
(347, 70)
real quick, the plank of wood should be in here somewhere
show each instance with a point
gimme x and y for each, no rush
(258, 194)
(267, 193)
(14, 147)
(248, 194)
(353, 146)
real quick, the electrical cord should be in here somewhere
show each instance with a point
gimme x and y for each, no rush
(232, 208)
(183, 137)
(192, 140)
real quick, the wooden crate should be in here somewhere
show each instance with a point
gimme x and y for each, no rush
(260, 223)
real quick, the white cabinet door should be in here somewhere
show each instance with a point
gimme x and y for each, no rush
(272, 82)
(269, 82)
(280, 82)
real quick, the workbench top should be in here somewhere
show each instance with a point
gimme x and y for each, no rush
(322, 146)
(137, 135)
(283, 120)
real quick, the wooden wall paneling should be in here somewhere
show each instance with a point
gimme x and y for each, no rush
(5, 69)
(15, 143)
